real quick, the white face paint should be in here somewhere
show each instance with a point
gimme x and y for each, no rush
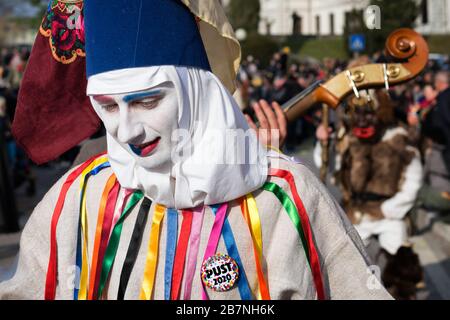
(142, 108)
(141, 122)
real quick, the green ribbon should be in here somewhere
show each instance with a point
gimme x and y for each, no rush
(291, 210)
(113, 243)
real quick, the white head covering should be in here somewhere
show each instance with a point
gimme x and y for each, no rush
(209, 114)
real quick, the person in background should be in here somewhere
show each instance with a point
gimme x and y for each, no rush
(435, 194)
(8, 210)
(379, 173)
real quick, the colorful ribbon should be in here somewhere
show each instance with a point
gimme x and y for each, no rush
(180, 254)
(102, 223)
(251, 216)
(214, 237)
(123, 199)
(171, 244)
(194, 243)
(82, 244)
(133, 247)
(106, 231)
(294, 215)
(113, 244)
(152, 254)
(230, 244)
(314, 256)
(52, 269)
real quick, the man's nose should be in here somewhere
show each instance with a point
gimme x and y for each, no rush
(130, 130)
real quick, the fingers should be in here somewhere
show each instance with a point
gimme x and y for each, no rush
(272, 121)
(262, 119)
(250, 122)
(321, 133)
(281, 119)
(270, 114)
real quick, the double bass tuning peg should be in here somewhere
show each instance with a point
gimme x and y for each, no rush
(352, 83)
(386, 76)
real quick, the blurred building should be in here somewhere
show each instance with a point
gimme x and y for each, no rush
(327, 17)
(434, 18)
(307, 17)
(15, 34)
(15, 26)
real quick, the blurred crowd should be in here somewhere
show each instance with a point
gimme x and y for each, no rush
(13, 64)
(389, 151)
(284, 76)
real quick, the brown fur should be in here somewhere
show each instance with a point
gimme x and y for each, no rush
(402, 274)
(373, 168)
(385, 112)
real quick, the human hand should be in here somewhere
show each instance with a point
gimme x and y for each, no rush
(272, 130)
(322, 134)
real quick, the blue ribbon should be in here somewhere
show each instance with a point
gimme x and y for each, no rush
(171, 244)
(230, 244)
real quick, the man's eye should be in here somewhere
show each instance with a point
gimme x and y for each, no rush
(110, 107)
(146, 103)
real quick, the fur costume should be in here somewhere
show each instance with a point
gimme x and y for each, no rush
(379, 173)
(372, 173)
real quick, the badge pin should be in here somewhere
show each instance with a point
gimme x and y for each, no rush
(220, 272)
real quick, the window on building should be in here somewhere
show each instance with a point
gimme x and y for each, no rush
(424, 11)
(347, 19)
(331, 24)
(296, 24)
(300, 23)
(318, 25)
(353, 22)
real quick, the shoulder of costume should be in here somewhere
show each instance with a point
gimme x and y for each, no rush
(280, 162)
(78, 176)
(90, 168)
(393, 132)
(398, 136)
(292, 184)
(290, 181)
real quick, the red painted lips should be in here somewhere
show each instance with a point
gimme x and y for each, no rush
(145, 149)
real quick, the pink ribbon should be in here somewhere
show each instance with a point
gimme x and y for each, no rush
(214, 237)
(194, 243)
(123, 199)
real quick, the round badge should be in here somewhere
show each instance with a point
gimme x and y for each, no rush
(220, 272)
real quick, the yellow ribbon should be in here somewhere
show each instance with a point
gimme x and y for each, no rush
(251, 216)
(274, 149)
(82, 293)
(152, 254)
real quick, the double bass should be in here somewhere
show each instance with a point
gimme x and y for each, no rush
(407, 55)
(407, 52)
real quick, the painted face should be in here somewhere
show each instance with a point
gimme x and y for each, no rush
(365, 122)
(142, 122)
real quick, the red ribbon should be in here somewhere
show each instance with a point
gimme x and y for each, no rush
(52, 270)
(106, 230)
(314, 257)
(180, 254)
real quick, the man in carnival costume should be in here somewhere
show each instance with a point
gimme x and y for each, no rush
(379, 173)
(186, 203)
